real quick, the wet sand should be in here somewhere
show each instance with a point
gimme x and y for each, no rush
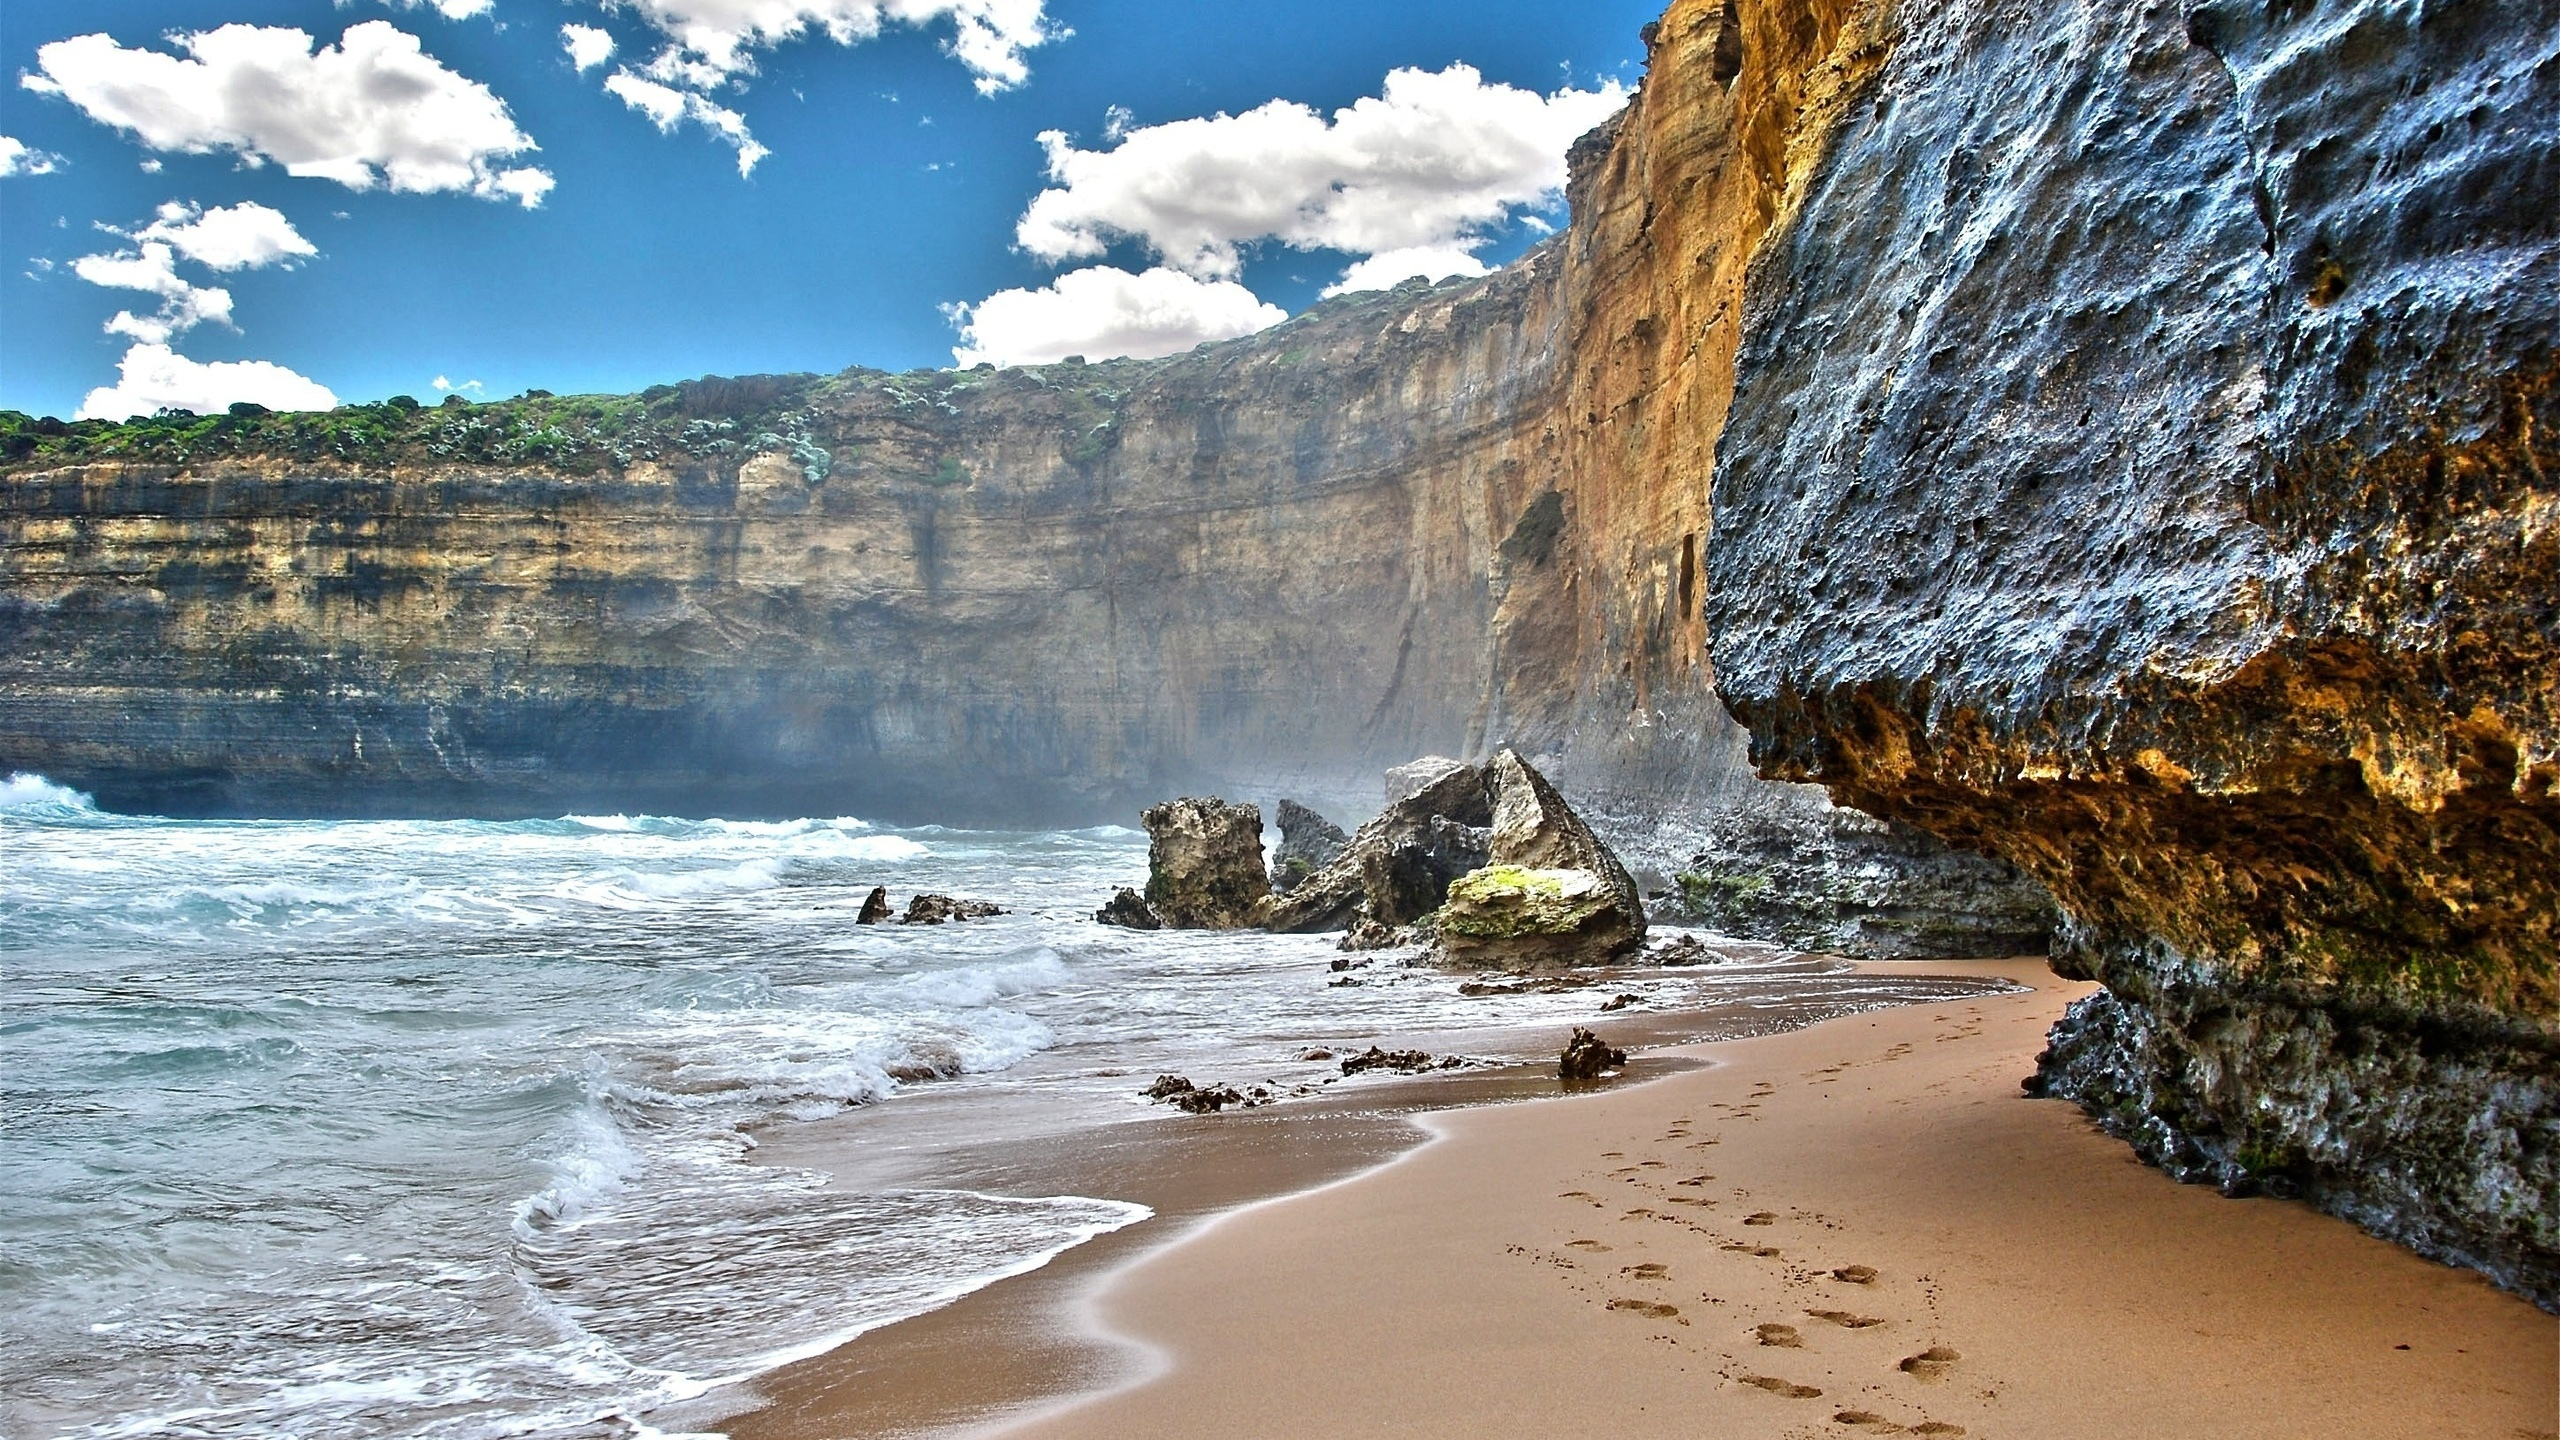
(1688, 1256)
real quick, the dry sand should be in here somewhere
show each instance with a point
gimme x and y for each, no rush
(1692, 1257)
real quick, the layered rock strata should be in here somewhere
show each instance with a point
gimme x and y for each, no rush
(2139, 466)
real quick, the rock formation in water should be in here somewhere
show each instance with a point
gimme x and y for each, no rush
(2139, 465)
(1550, 894)
(2127, 434)
(1129, 910)
(1308, 843)
(1396, 868)
(1204, 865)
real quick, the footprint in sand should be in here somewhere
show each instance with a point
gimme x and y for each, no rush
(1650, 1309)
(1764, 1217)
(1697, 1180)
(1638, 1213)
(1763, 1251)
(1856, 1274)
(1649, 1270)
(1844, 1319)
(1782, 1335)
(1776, 1386)
(1937, 1427)
(1932, 1363)
(1593, 1246)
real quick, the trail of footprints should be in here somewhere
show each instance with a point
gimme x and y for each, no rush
(1864, 1344)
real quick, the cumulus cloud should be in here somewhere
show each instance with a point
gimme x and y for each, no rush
(1419, 171)
(989, 37)
(712, 43)
(18, 158)
(152, 377)
(449, 9)
(1382, 271)
(247, 236)
(667, 106)
(374, 109)
(1100, 312)
(588, 46)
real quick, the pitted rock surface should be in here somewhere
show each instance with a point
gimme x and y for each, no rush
(1308, 843)
(1204, 864)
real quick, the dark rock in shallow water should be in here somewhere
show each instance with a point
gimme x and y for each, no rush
(875, 906)
(1587, 1057)
(1397, 868)
(1129, 909)
(1403, 1061)
(1204, 864)
(1308, 843)
(1553, 894)
(1370, 935)
(931, 909)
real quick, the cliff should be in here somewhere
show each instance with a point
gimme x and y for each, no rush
(2112, 439)
(2140, 466)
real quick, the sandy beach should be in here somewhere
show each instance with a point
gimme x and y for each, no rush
(1856, 1228)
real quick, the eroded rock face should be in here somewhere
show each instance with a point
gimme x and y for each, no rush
(1308, 843)
(2139, 466)
(1396, 869)
(1552, 894)
(1204, 865)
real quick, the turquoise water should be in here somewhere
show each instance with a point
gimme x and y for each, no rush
(446, 1128)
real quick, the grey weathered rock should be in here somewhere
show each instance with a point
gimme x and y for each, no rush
(1587, 1057)
(1550, 894)
(1397, 868)
(1129, 910)
(1405, 781)
(1308, 843)
(1204, 864)
(875, 907)
(1845, 882)
(2191, 547)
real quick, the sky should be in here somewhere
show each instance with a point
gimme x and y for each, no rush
(303, 203)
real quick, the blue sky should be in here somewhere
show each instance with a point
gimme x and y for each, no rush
(895, 175)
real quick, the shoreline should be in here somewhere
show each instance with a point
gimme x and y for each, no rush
(1444, 1285)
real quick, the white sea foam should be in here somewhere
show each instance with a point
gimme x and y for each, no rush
(25, 792)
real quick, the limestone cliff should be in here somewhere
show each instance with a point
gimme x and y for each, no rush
(2140, 466)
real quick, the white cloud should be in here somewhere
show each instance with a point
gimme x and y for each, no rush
(247, 236)
(1100, 312)
(1421, 169)
(152, 377)
(711, 43)
(666, 106)
(152, 269)
(1382, 271)
(18, 158)
(374, 109)
(449, 9)
(989, 37)
(588, 46)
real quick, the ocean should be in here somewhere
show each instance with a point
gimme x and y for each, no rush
(449, 1128)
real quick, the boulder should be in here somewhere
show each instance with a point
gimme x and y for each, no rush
(932, 909)
(1413, 777)
(1397, 868)
(1587, 1057)
(1551, 895)
(1204, 864)
(1308, 843)
(1129, 909)
(875, 906)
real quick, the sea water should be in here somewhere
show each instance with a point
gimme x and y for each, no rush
(447, 1128)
